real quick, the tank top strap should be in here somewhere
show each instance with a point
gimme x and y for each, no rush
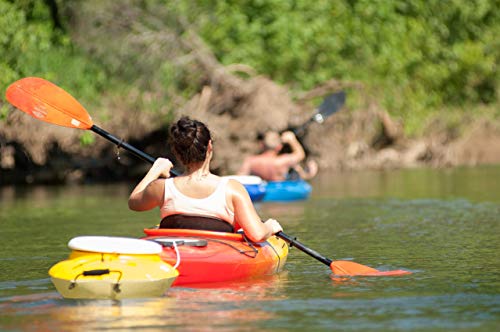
(169, 187)
(223, 184)
(219, 194)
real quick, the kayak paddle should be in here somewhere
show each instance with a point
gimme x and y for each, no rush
(47, 102)
(330, 105)
(341, 268)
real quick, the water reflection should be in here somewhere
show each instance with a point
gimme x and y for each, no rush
(475, 183)
(443, 225)
(40, 194)
(230, 305)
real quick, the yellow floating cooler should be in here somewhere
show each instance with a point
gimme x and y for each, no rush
(103, 267)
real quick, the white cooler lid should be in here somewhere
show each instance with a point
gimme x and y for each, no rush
(115, 245)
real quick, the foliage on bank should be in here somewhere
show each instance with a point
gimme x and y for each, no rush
(32, 45)
(417, 57)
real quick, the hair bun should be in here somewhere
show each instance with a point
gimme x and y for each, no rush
(184, 132)
(190, 140)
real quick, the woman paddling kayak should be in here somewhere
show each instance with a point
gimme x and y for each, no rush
(198, 199)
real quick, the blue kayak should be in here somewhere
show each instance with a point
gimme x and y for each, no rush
(274, 191)
(286, 191)
(256, 191)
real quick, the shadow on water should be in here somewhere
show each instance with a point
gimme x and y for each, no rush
(441, 225)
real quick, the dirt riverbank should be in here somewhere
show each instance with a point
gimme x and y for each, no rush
(368, 138)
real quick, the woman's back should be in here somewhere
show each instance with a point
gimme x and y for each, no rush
(197, 189)
(204, 197)
(200, 187)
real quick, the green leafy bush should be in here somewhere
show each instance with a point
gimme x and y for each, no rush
(417, 57)
(31, 46)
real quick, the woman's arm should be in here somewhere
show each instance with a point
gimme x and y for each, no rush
(148, 193)
(246, 216)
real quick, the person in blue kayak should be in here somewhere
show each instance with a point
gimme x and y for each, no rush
(198, 199)
(271, 165)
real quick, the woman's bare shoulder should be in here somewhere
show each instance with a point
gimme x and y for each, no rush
(236, 187)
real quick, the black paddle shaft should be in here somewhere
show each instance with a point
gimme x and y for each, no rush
(121, 144)
(294, 243)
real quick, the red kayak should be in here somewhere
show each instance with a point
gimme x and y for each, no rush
(208, 257)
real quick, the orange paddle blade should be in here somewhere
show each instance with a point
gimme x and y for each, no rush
(348, 268)
(46, 101)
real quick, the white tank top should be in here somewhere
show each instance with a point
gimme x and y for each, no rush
(214, 205)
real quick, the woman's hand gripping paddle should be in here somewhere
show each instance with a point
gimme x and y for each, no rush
(46, 101)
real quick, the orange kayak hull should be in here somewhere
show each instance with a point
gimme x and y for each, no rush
(210, 257)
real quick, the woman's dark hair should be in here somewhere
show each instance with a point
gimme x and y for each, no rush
(189, 139)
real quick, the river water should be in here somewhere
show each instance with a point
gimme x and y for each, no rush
(443, 225)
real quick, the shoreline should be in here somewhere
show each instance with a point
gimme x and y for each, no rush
(350, 141)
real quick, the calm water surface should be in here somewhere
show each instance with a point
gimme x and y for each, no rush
(442, 225)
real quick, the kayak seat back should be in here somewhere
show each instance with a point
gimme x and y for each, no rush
(186, 221)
